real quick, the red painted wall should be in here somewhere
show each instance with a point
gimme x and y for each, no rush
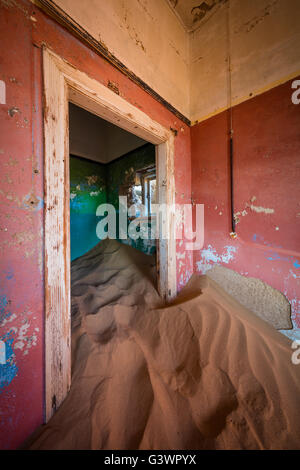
(266, 176)
(267, 155)
(21, 235)
(23, 30)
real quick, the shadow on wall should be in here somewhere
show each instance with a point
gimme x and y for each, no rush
(92, 184)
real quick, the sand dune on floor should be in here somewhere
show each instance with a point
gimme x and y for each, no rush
(202, 373)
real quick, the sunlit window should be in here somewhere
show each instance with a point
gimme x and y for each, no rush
(144, 191)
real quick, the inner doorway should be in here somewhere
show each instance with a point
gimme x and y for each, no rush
(107, 162)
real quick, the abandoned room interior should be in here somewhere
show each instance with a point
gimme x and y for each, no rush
(150, 221)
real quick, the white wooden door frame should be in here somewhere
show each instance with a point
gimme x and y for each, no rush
(63, 83)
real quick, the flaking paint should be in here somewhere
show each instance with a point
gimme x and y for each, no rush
(22, 164)
(266, 191)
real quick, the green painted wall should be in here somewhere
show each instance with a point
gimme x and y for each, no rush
(87, 192)
(92, 184)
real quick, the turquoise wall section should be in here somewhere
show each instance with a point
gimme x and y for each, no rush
(87, 192)
(92, 184)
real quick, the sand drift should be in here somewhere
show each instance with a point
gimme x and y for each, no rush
(202, 373)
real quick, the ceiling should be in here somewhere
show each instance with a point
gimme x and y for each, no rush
(96, 139)
(192, 13)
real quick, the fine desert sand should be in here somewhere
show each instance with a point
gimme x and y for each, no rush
(201, 373)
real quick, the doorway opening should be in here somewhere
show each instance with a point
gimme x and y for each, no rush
(64, 83)
(106, 163)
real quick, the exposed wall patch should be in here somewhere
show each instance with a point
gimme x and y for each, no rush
(2, 353)
(2, 92)
(209, 257)
(114, 87)
(9, 369)
(13, 111)
(260, 209)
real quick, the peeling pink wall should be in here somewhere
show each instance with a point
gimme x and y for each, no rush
(266, 191)
(21, 230)
(267, 149)
(23, 31)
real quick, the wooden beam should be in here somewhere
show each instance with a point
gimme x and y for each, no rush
(57, 238)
